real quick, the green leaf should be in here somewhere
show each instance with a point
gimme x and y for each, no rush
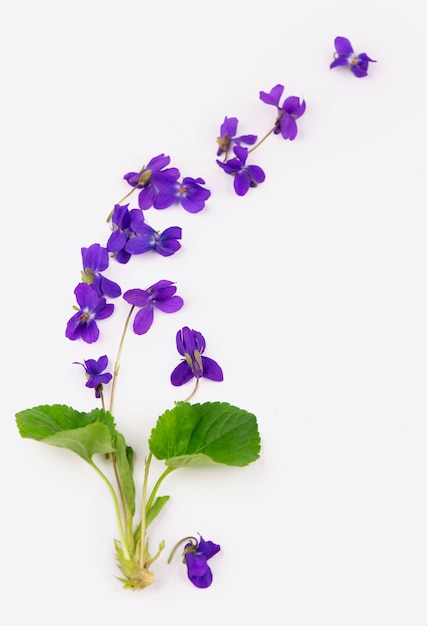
(200, 434)
(155, 509)
(124, 459)
(59, 425)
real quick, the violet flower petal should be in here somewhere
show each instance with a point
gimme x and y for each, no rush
(143, 321)
(343, 46)
(181, 374)
(211, 369)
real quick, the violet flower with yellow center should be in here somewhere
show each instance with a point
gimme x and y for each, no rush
(189, 193)
(345, 56)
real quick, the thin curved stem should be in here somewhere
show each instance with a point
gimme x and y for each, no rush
(261, 141)
(150, 500)
(193, 393)
(125, 197)
(192, 540)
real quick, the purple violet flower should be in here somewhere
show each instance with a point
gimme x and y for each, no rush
(96, 377)
(125, 225)
(344, 55)
(149, 178)
(196, 558)
(83, 323)
(227, 136)
(160, 295)
(291, 109)
(245, 176)
(95, 260)
(191, 345)
(189, 192)
(165, 243)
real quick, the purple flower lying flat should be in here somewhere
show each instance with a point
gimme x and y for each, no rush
(191, 345)
(150, 177)
(245, 176)
(196, 559)
(83, 323)
(96, 377)
(189, 193)
(227, 136)
(165, 243)
(291, 109)
(160, 295)
(95, 260)
(345, 56)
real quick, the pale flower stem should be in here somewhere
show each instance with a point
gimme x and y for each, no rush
(193, 393)
(124, 197)
(116, 509)
(257, 145)
(190, 539)
(117, 364)
(119, 202)
(127, 195)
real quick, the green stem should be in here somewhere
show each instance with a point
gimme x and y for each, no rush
(125, 508)
(146, 505)
(144, 510)
(150, 500)
(116, 508)
(113, 391)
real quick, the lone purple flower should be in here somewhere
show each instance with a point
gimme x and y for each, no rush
(95, 260)
(345, 56)
(160, 295)
(191, 345)
(227, 136)
(83, 323)
(96, 377)
(245, 176)
(291, 109)
(196, 558)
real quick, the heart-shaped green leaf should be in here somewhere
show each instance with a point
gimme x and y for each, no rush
(199, 434)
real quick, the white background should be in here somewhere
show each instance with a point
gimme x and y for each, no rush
(310, 292)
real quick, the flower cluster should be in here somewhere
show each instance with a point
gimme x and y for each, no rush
(160, 188)
(130, 235)
(247, 176)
